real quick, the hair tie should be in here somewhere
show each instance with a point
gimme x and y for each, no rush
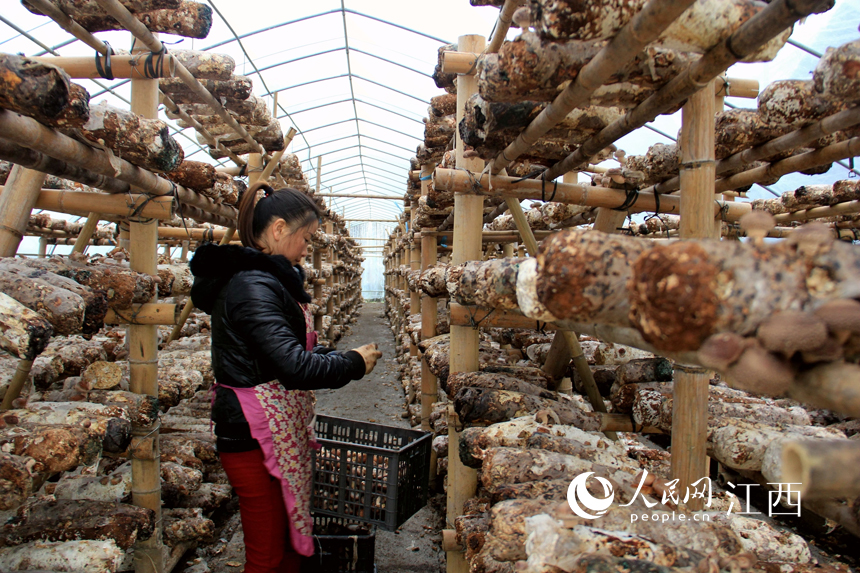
(267, 190)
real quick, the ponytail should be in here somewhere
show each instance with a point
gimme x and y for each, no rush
(294, 207)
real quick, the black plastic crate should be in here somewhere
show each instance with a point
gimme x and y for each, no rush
(341, 546)
(369, 472)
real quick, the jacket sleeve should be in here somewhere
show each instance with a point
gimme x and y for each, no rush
(256, 309)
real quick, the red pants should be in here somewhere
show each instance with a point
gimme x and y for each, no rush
(264, 517)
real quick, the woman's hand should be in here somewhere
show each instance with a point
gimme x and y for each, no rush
(370, 354)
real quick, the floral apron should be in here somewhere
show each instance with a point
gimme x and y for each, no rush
(282, 421)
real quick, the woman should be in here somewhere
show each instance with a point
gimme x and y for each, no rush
(266, 363)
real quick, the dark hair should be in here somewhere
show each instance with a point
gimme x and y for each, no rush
(294, 207)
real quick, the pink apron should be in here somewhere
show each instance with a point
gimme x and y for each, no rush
(282, 422)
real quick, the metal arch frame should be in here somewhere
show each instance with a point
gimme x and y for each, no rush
(364, 148)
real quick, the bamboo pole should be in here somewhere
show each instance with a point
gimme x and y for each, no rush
(149, 313)
(747, 39)
(204, 133)
(66, 23)
(468, 221)
(41, 162)
(459, 181)
(690, 390)
(642, 29)
(86, 233)
(503, 24)
(143, 362)
(43, 247)
(843, 150)
(73, 202)
(122, 66)
(19, 196)
(147, 38)
(29, 133)
(822, 468)
(276, 156)
(798, 138)
(16, 384)
(183, 257)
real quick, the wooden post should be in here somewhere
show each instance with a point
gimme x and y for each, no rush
(18, 199)
(468, 223)
(143, 361)
(319, 174)
(43, 247)
(690, 390)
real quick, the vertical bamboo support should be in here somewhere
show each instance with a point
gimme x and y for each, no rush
(43, 247)
(468, 223)
(429, 384)
(690, 404)
(18, 199)
(317, 264)
(123, 235)
(183, 257)
(86, 233)
(143, 362)
(19, 378)
(414, 265)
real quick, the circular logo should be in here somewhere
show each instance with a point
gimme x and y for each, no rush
(578, 497)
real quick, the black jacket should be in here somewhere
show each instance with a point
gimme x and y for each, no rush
(258, 330)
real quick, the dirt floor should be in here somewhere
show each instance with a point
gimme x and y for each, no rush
(415, 547)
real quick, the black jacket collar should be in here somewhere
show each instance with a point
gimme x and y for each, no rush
(214, 265)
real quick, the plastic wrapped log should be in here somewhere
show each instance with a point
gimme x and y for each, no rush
(252, 111)
(438, 131)
(183, 524)
(144, 142)
(444, 81)
(141, 410)
(82, 555)
(190, 20)
(95, 302)
(270, 137)
(486, 406)
(235, 88)
(443, 105)
(68, 520)
(16, 479)
(432, 280)
(37, 90)
(58, 448)
(472, 532)
(109, 423)
(208, 497)
(624, 396)
(176, 383)
(62, 308)
(123, 286)
(556, 546)
(77, 112)
(490, 380)
(115, 487)
(178, 481)
(23, 332)
(178, 451)
(742, 445)
(206, 65)
(618, 281)
(194, 175)
(821, 467)
(661, 162)
(175, 280)
(489, 284)
(653, 408)
(490, 127)
(739, 129)
(698, 29)
(529, 68)
(794, 104)
(528, 374)
(93, 7)
(837, 74)
(507, 537)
